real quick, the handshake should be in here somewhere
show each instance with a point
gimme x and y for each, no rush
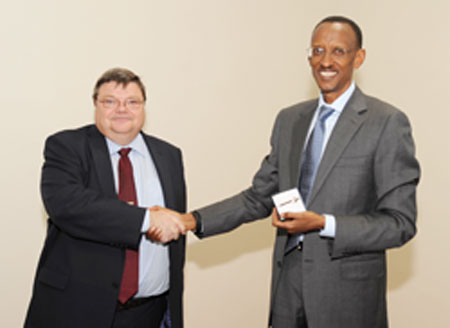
(167, 225)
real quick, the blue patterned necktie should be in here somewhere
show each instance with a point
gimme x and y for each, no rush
(312, 155)
(310, 164)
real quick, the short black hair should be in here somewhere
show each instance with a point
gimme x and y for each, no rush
(345, 20)
(121, 76)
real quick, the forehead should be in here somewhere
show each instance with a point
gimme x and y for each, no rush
(334, 33)
(120, 90)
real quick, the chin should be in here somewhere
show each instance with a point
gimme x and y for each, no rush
(325, 86)
(324, 90)
(123, 131)
(122, 126)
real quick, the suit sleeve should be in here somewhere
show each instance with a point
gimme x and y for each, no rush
(396, 174)
(251, 204)
(75, 203)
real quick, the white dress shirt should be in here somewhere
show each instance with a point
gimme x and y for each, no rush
(338, 105)
(153, 257)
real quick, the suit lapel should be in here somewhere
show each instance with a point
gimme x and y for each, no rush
(300, 127)
(299, 133)
(347, 125)
(163, 169)
(102, 161)
(165, 178)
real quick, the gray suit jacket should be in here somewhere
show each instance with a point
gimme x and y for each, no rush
(367, 179)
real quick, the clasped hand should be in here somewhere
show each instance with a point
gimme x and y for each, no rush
(166, 225)
(298, 222)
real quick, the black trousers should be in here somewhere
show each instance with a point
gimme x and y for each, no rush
(147, 315)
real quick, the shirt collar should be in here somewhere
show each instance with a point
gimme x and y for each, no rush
(137, 144)
(339, 104)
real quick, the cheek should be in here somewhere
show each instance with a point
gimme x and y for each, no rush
(108, 115)
(141, 117)
(313, 66)
(105, 119)
(348, 72)
(99, 116)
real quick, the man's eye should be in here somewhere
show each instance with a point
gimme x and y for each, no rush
(318, 51)
(339, 52)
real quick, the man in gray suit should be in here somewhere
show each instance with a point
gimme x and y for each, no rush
(358, 180)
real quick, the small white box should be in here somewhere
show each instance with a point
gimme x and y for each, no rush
(288, 201)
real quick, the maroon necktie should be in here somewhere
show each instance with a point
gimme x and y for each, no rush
(127, 193)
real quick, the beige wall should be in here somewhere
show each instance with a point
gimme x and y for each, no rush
(217, 73)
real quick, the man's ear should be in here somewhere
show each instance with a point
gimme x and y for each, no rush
(359, 58)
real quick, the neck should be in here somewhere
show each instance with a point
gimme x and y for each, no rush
(330, 97)
(121, 140)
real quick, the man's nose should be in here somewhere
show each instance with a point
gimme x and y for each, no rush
(326, 59)
(122, 107)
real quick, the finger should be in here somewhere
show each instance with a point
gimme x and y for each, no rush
(290, 215)
(180, 226)
(151, 231)
(287, 215)
(167, 236)
(175, 232)
(158, 237)
(275, 217)
(171, 235)
(290, 227)
(154, 234)
(170, 231)
(290, 231)
(286, 224)
(176, 235)
(279, 224)
(175, 223)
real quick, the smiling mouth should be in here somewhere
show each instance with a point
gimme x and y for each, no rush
(121, 118)
(327, 74)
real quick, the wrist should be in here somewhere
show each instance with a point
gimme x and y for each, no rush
(189, 221)
(321, 222)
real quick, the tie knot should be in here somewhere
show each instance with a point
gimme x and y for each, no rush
(325, 112)
(124, 152)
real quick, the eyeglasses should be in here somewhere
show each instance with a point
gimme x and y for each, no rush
(318, 53)
(113, 103)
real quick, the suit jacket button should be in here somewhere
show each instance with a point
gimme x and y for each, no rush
(115, 285)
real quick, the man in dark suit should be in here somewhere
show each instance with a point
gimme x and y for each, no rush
(99, 267)
(352, 158)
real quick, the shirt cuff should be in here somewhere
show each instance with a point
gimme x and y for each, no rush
(146, 222)
(198, 224)
(329, 230)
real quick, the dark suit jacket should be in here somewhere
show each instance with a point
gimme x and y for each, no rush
(367, 179)
(79, 272)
